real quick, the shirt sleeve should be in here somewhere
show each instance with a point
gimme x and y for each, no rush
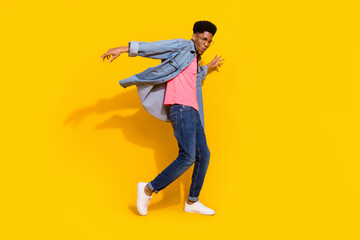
(159, 49)
(203, 72)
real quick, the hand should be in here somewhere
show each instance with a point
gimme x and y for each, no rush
(115, 52)
(216, 62)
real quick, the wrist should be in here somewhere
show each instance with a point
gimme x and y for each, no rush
(125, 49)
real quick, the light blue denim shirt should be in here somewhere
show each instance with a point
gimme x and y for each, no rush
(175, 56)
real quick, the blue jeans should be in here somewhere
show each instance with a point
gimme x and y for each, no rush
(193, 148)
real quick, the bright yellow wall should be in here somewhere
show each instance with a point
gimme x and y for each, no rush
(282, 121)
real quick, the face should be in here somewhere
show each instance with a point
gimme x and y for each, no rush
(202, 41)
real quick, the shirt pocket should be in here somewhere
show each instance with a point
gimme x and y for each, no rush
(168, 66)
(174, 63)
(180, 60)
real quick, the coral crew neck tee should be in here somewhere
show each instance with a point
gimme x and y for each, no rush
(182, 88)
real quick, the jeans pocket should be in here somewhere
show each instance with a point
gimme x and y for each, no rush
(186, 108)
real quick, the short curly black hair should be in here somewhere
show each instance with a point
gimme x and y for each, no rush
(202, 26)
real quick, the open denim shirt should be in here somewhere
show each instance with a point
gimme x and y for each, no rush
(175, 56)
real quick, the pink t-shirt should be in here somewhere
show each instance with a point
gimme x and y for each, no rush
(182, 88)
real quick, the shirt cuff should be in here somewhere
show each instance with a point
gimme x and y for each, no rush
(205, 68)
(133, 48)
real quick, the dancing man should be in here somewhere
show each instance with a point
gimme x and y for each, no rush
(172, 91)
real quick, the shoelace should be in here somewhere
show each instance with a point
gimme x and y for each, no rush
(203, 206)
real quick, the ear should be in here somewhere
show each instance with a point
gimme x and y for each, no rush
(194, 37)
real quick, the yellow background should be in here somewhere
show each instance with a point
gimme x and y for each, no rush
(281, 118)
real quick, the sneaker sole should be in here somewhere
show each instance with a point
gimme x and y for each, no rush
(208, 214)
(137, 199)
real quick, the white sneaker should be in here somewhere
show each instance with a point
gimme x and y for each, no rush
(198, 207)
(142, 199)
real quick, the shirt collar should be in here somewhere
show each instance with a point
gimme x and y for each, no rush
(192, 48)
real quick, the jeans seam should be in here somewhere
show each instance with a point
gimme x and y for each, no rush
(197, 172)
(181, 119)
(173, 119)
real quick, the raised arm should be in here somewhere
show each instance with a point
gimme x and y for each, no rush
(159, 49)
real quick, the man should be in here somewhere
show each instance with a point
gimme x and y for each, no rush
(172, 91)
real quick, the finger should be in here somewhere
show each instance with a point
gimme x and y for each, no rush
(105, 54)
